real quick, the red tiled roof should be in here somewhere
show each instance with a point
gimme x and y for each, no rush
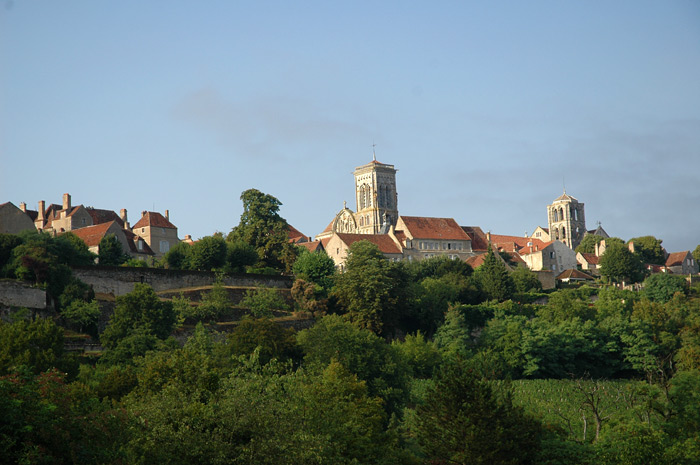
(676, 258)
(574, 274)
(590, 258)
(385, 243)
(658, 269)
(401, 236)
(324, 242)
(100, 216)
(516, 259)
(92, 235)
(476, 261)
(515, 243)
(477, 236)
(315, 246)
(153, 219)
(535, 248)
(295, 235)
(421, 227)
(329, 228)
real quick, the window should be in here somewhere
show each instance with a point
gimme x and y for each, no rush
(140, 245)
(164, 246)
(143, 230)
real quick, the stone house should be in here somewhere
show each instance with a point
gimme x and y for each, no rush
(588, 262)
(555, 256)
(157, 230)
(14, 220)
(682, 263)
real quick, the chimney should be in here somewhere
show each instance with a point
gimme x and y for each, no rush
(23, 207)
(66, 201)
(122, 215)
(143, 213)
(42, 208)
(167, 215)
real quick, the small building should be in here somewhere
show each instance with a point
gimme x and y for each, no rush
(572, 276)
(682, 263)
(555, 256)
(588, 262)
(157, 230)
(92, 235)
(339, 243)
(424, 237)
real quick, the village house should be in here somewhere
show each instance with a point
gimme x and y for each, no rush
(14, 220)
(157, 230)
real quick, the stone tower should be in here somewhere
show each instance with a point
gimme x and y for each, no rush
(567, 222)
(375, 193)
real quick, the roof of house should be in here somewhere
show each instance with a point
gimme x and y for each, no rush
(515, 243)
(676, 258)
(657, 268)
(476, 261)
(565, 196)
(590, 258)
(132, 239)
(153, 219)
(536, 247)
(422, 227)
(92, 235)
(575, 275)
(477, 236)
(313, 246)
(295, 235)
(100, 216)
(544, 229)
(385, 243)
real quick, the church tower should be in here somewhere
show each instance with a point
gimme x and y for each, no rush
(567, 223)
(377, 201)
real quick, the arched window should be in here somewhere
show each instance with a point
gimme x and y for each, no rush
(556, 234)
(556, 215)
(563, 232)
(380, 200)
(388, 197)
(362, 197)
(368, 197)
(561, 214)
(362, 221)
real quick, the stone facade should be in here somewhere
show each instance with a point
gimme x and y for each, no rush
(376, 197)
(158, 232)
(567, 221)
(13, 220)
(682, 263)
(555, 257)
(424, 237)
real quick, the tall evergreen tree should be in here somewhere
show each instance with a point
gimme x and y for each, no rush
(493, 278)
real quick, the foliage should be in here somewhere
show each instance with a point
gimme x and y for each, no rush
(525, 280)
(308, 297)
(361, 352)
(262, 227)
(36, 344)
(649, 249)
(7, 244)
(369, 289)
(493, 278)
(696, 254)
(618, 264)
(140, 318)
(263, 302)
(422, 355)
(240, 255)
(464, 421)
(208, 253)
(588, 243)
(271, 340)
(660, 287)
(214, 303)
(111, 251)
(178, 257)
(83, 314)
(316, 267)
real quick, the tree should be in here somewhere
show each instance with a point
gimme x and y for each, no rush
(660, 287)
(239, 256)
(178, 257)
(588, 243)
(618, 264)
(110, 251)
(696, 254)
(367, 290)
(36, 344)
(316, 267)
(308, 297)
(208, 253)
(270, 339)
(262, 227)
(139, 312)
(7, 244)
(263, 302)
(649, 249)
(525, 280)
(464, 421)
(493, 278)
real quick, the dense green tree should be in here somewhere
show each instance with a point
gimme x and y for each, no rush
(83, 315)
(463, 421)
(140, 314)
(263, 302)
(618, 264)
(178, 257)
(422, 355)
(309, 297)
(360, 351)
(696, 254)
(239, 256)
(660, 287)
(262, 227)
(316, 267)
(214, 304)
(111, 251)
(525, 280)
(367, 290)
(36, 344)
(208, 253)
(7, 244)
(566, 304)
(649, 249)
(269, 338)
(493, 278)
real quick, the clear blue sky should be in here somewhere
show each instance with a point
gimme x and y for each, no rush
(485, 108)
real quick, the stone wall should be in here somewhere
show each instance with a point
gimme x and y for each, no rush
(22, 294)
(118, 281)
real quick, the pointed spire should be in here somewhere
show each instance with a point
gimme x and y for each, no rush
(374, 155)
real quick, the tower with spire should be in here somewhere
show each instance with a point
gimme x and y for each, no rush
(567, 222)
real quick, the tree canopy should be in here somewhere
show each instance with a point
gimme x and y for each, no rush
(618, 264)
(649, 249)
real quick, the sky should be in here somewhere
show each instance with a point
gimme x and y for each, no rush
(488, 110)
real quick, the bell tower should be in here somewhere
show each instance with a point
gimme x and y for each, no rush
(377, 201)
(567, 222)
